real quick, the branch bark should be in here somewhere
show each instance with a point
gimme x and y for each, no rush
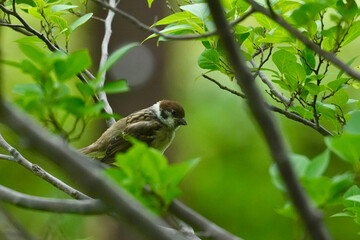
(87, 206)
(310, 215)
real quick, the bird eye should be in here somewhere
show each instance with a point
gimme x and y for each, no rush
(173, 112)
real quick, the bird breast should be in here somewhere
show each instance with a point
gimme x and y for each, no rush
(164, 137)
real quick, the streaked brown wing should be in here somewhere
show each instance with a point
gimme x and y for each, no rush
(143, 131)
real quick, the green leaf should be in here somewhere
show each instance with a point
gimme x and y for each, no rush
(80, 21)
(150, 2)
(34, 53)
(74, 105)
(264, 21)
(201, 10)
(340, 98)
(28, 89)
(73, 64)
(176, 17)
(282, 58)
(303, 112)
(119, 86)
(318, 189)
(347, 147)
(348, 10)
(209, 59)
(341, 72)
(172, 29)
(354, 33)
(62, 23)
(353, 125)
(307, 13)
(353, 191)
(310, 59)
(354, 198)
(318, 165)
(337, 84)
(294, 74)
(62, 7)
(114, 57)
(314, 89)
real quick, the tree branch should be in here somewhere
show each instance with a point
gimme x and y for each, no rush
(84, 171)
(196, 220)
(224, 87)
(310, 215)
(327, 55)
(271, 86)
(87, 206)
(38, 171)
(154, 30)
(104, 57)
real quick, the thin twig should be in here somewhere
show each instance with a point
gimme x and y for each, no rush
(103, 59)
(308, 212)
(16, 27)
(86, 206)
(224, 87)
(38, 171)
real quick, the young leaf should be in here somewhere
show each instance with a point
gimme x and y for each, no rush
(80, 21)
(353, 125)
(26, 89)
(347, 147)
(33, 52)
(62, 7)
(282, 58)
(150, 2)
(340, 98)
(114, 57)
(209, 59)
(176, 17)
(72, 65)
(318, 165)
(115, 87)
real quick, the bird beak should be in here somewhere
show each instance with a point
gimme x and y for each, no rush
(181, 121)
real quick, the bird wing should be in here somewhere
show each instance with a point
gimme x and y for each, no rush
(143, 131)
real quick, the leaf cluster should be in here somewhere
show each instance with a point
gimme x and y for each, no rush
(145, 173)
(301, 75)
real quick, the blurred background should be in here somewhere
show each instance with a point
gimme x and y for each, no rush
(231, 186)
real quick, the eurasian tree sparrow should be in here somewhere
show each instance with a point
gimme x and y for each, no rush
(155, 125)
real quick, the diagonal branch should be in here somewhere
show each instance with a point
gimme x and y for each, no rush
(196, 220)
(310, 215)
(327, 55)
(87, 206)
(271, 86)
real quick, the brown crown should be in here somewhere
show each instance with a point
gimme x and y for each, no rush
(173, 106)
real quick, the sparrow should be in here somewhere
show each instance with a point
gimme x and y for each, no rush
(155, 125)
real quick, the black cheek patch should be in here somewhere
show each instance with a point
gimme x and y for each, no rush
(164, 115)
